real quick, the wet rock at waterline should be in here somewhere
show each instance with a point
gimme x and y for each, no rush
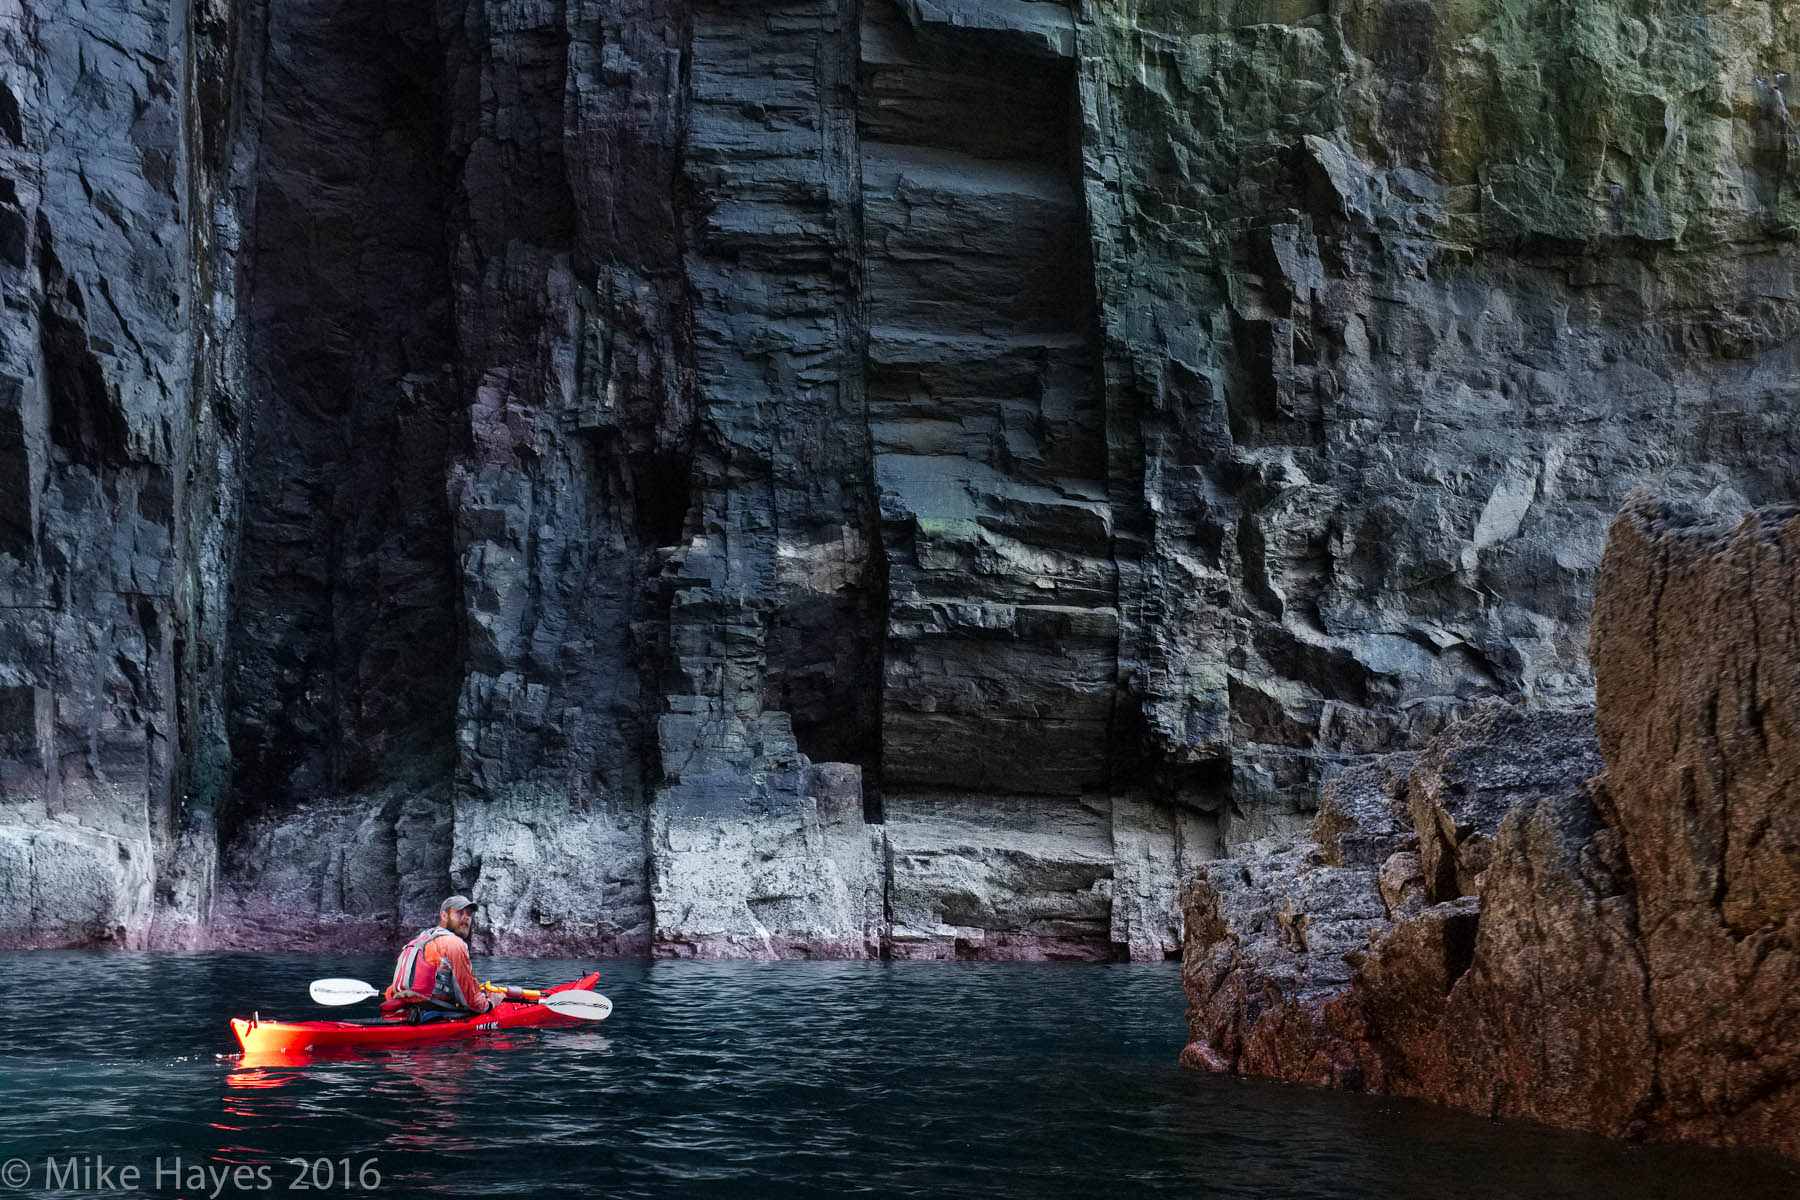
(1615, 950)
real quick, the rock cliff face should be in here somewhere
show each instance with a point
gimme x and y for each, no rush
(120, 246)
(1486, 926)
(909, 477)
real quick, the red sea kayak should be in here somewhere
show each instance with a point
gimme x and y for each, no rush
(276, 1038)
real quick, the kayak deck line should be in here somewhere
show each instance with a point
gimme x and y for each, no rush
(279, 1038)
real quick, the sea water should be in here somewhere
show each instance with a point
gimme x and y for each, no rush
(733, 1079)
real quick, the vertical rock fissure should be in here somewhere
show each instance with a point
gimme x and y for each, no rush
(345, 597)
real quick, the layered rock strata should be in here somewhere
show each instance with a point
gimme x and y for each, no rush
(914, 477)
(1501, 925)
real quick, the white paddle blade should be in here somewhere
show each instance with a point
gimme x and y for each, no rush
(340, 991)
(588, 1006)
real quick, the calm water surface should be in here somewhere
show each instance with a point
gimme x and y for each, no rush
(742, 1080)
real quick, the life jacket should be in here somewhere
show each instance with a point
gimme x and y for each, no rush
(418, 982)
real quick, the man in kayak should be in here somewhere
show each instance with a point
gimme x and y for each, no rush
(432, 979)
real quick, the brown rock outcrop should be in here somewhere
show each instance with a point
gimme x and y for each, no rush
(1549, 1021)
(1697, 643)
(1609, 952)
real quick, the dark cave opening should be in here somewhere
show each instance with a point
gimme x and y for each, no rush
(346, 593)
(661, 493)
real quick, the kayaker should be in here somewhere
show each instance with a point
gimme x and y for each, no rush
(432, 978)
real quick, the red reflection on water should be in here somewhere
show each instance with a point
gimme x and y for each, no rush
(416, 1088)
(267, 1071)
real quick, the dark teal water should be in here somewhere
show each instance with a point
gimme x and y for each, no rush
(740, 1080)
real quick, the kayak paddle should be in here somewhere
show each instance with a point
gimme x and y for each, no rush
(573, 1002)
(340, 991)
(588, 1006)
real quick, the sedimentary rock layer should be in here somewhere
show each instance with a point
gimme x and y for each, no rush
(1486, 926)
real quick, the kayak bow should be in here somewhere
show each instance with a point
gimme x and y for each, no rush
(278, 1038)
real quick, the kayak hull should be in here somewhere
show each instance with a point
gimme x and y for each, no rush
(295, 1039)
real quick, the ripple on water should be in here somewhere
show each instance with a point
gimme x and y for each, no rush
(744, 1079)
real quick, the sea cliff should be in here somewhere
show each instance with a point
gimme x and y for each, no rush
(902, 477)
